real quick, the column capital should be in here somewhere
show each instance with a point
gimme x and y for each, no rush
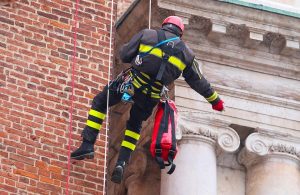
(260, 146)
(209, 129)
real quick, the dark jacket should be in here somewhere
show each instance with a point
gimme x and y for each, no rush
(184, 62)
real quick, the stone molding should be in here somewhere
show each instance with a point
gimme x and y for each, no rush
(260, 146)
(257, 97)
(211, 130)
(250, 35)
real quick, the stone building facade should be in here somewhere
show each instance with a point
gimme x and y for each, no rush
(36, 58)
(252, 58)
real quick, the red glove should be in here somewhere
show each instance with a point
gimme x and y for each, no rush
(219, 106)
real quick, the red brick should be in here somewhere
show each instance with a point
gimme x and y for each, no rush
(46, 180)
(47, 15)
(26, 174)
(55, 169)
(22, 159)
(35, 71)
(8, 188)
(6, 20)
(35, 42)
(50, 187)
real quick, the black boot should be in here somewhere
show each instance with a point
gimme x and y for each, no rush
(118, 172)
(86, 149)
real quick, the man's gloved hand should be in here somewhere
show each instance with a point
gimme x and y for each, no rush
(219, 106)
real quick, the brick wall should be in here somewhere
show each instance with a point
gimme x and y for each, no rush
(36, 44)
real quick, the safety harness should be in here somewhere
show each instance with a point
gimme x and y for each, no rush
(165, 49)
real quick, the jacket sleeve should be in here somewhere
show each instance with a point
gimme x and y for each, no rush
(131, 49)
(197, 81)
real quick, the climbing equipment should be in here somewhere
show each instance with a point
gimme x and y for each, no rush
(72, 96)
(142, 82)
(163, 143)
(128, 91)
(107, 105)
(143, 53)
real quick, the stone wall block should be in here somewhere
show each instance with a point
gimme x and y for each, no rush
(240, 32)
(200, 24)
(274, 41)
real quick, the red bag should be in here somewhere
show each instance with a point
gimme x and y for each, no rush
(163, 145)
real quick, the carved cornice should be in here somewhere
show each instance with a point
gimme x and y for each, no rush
(266, 40)
(211, 130)
(201, 24)
(259, 147)
(256, 97)
(240, 32)
(274, 41)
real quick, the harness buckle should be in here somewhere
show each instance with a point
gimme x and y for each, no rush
(138, 60)
(171, 43)
(158, 151)
(128, 91)
(164, 94)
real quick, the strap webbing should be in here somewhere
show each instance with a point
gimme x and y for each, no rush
(161, 36)
(163, 128)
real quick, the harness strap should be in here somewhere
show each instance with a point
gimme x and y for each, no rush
(144, 87)
(161, 36)
(147, 79)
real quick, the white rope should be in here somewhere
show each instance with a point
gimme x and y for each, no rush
(107, 104)
(150, 14)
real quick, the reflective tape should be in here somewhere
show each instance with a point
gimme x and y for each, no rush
(159, 53)
(97, 114)
(93, 124)
(127, 144)
(132, 134)
(213, 97)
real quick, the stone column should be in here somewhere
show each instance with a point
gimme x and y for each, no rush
(200, 140)
(272, 164)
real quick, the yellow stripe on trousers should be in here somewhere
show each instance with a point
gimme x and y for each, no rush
(94, 125)
(97, 114)
(129, 145)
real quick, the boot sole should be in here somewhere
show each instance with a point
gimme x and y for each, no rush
(83, 156)
(117, 176)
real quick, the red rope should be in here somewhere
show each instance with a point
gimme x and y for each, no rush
(72, 97)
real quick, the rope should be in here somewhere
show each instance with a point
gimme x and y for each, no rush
(72, 97)
(107, 104)
(150, 14)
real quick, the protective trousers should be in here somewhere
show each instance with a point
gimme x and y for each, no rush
(140, 111)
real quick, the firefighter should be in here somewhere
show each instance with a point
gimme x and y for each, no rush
(157, 58)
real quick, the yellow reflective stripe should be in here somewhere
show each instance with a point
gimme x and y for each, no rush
(128, 145)
(93, 124)
(148, 77)
(136, 84)
(144, 82)
(177, 62)
(158, 52)
(153, 95)
(132, 134)
(145, 75)
(213, 97)
(97, 114)
(146, 48)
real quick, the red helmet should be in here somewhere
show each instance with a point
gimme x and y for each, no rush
(174, 20)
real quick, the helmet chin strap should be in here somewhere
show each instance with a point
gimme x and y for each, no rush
(173, 29)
